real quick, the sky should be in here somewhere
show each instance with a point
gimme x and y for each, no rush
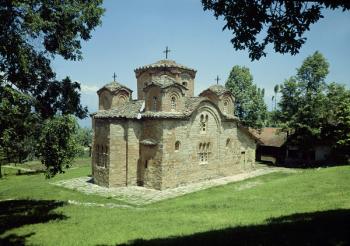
(135, 33)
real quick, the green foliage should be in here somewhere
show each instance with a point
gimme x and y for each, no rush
(84, 136)
(250, 106)
(18, 125)
(31, 34)
(84, 140)
(302, 100)
(313, 110)
(336, 125)
(281, 23)
(57, 143)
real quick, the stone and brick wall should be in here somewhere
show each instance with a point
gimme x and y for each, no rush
(182, 76)
(167, 100)
(100, 167)
(166, 152)
(230, 151)
(152, 155)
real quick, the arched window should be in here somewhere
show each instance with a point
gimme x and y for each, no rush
(173, 102)
(225, 106)
(177, 145)
(154, 106)
(203, 123)
(203, 152)
(228, 143)
(184, 83)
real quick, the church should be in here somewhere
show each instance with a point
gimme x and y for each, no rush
(167, 137)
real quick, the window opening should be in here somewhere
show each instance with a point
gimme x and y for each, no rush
(177, 145)
(228, 143)
(204, 151)
(225, 107)
(173, 103)
(203, 123)
(154, 104)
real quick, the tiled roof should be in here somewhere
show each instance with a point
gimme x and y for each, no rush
(217, 89)
(114, 86)
(192, 103)
(131, 110)
(163, 64)
(270, 136)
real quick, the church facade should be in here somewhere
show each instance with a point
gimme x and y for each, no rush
(167, 137)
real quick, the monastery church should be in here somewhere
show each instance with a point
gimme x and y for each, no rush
(167, 137)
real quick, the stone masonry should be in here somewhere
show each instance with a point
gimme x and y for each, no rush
(167, 137)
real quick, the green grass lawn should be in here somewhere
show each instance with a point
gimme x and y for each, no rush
(311, 206)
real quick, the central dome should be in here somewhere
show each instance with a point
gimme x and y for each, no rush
(162, 64)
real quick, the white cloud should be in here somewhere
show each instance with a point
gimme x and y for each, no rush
(88, 88)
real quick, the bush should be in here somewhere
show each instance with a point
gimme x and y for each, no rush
(57, 144)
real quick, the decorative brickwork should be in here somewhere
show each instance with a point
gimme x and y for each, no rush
(167, 137)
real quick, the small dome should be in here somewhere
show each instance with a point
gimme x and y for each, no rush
(218, 89)
(113, 87)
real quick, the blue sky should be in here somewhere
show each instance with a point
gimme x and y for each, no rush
(134, 33)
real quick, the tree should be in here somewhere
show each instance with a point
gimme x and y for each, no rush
(31, 34)
(336, 126)
(84, 136)
(281, 23)
(276, 90)
(290, 101)
(84, 140)
(302, 99)
(17, 123)
(313, 110)
(57, 143)
(312, 74)
(250, 107)
(18, 128)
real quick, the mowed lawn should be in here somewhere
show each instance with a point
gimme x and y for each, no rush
(309, 206)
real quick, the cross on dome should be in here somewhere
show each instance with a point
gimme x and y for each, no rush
(166, 51)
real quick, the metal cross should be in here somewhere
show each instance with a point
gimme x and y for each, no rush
(166, 51)
(114, 76)
(217, 79)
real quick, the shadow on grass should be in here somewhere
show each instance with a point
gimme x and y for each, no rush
(34, 172)
(319, 228)
(17, 213)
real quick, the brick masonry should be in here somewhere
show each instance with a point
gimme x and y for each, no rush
(175, 148)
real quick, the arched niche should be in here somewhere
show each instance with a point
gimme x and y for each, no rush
(120, 98)
(173, 99)
(208, 113)
(105, 100)
(226, 104)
